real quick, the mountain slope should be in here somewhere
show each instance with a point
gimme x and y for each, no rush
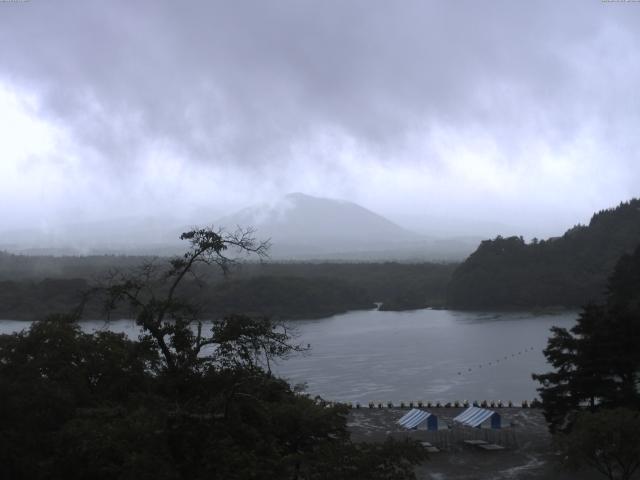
(299, 224)
(566, 271)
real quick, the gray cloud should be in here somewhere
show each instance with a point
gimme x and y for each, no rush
(332, 96)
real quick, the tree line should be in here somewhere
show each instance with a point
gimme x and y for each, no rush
(282, 290)
(567, 271)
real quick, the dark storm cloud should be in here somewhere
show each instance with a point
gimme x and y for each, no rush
(250, 85)
(241, 80)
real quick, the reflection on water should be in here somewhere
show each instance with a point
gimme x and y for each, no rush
(434, 355)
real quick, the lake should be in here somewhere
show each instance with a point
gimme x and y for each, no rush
(435, 355)
(429, 355)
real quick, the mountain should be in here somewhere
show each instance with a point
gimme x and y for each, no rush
(563, 271)
(298, 216)
(305, 227)
(301, 227)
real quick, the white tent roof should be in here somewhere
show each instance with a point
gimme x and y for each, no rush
(414, 418)
(474, 416)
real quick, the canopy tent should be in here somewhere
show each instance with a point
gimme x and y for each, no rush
(417, 417)
(475, 416)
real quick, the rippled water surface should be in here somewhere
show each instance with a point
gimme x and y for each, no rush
(437, 355)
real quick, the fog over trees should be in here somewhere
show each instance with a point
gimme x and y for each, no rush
(300, 227)
(419, 184)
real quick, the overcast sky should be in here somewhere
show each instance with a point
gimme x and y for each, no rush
(525, 113)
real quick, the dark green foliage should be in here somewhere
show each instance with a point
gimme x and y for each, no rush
(608, 441)
(290, 297)
(36, 268)
(392, 460)
(567, 271)
(178, 403)
(284, 290)
(399, 286)
(50, 377)
(624, 286)
(597, 362)
(34, 299)
(75, 406)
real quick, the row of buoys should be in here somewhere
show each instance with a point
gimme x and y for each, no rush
(456, 404)
(494, 362)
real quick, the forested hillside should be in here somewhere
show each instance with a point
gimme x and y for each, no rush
(567, 271)
(30, 287)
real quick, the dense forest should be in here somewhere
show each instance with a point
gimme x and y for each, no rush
(567, 271)
(183, 401)
(31, 287)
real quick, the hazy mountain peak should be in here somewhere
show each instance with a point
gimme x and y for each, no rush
(303, 197)
(320, 224)
(299, 196)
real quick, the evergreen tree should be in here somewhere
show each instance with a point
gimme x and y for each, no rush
(597, 362)
(607, 441)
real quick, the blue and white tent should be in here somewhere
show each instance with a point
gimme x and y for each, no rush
(475, 416)
(417, 417)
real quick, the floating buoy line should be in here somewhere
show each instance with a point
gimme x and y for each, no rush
(502, 359)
